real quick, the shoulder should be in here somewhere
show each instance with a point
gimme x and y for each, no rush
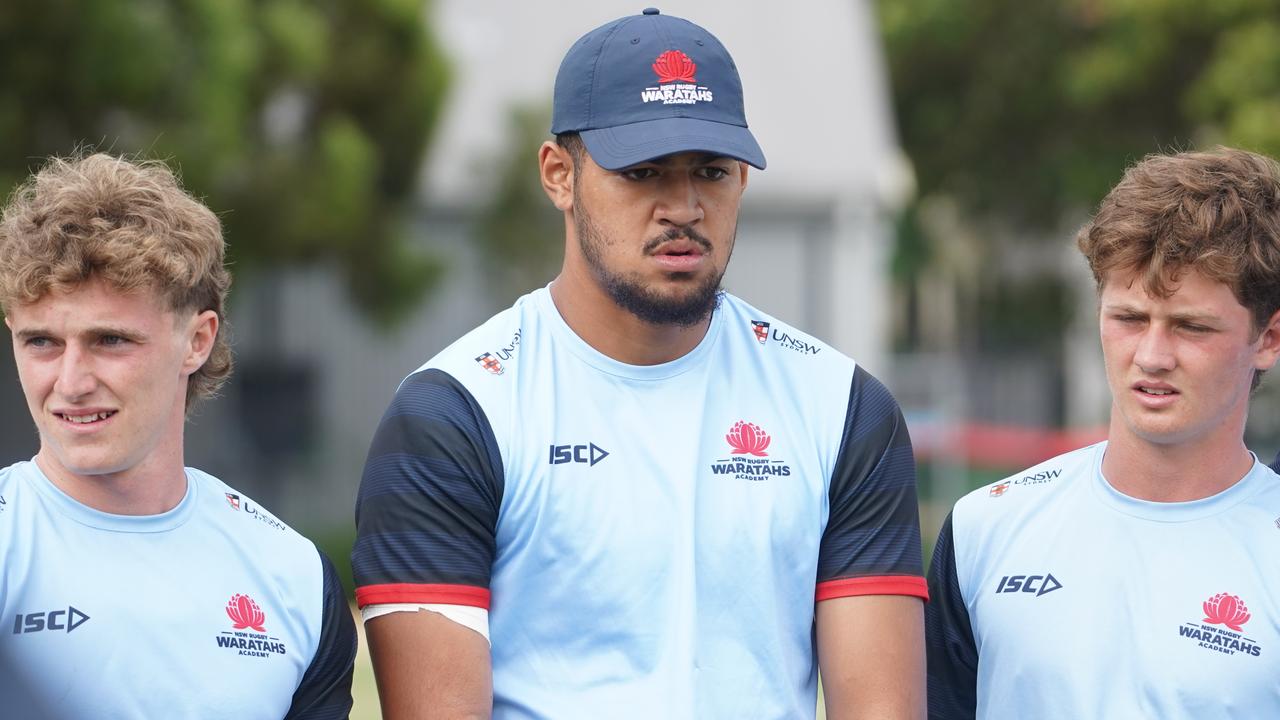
(491, 349)
(9, 477)
(1023, 493)
(10, 493)
(778, 342)
(250, 524)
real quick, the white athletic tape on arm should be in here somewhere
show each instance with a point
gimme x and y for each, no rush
(465, 615)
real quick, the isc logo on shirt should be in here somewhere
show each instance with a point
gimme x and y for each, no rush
(1032, 584)
(35, 622)
(589, 454)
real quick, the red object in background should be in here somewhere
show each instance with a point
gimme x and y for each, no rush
(998, 446)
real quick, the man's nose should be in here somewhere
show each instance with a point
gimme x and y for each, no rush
(679, 202)
(76, 376)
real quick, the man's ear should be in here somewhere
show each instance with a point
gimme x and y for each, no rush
(1268, 344)
(555, 166)
(202, 333)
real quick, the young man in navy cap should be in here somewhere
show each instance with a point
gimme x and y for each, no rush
(617, 498)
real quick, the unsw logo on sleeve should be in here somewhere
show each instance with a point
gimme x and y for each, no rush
(492, 361)
(242, 504)
(749, 439)
(246, 615)
(762, 332)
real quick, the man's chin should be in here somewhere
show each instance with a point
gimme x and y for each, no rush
(686, 310)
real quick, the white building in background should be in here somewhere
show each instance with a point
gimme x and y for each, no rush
(812, 249)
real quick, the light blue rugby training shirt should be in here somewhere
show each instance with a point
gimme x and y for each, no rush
(1056, 596)
(214, 609)
(651, 541)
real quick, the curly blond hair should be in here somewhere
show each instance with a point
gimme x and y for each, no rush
(129, 224)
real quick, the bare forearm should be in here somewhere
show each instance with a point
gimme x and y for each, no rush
(429, 667)
(871, 655)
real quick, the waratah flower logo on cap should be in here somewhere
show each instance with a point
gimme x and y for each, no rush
(674, 66)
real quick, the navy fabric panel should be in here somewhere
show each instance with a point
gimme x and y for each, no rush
(873, 527)
(325, 690)
(1275, 464)
(950, 647)
(427, 510)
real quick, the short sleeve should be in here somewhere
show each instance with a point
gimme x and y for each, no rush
(325, 690)
(427, 511)
(871, 545)
(950, 647)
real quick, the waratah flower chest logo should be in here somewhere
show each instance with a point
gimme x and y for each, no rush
(748, 454)
(1231, 613)
(247, 615)
(677, 84)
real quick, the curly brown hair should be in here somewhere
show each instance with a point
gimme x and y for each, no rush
(1216, 212)
(129, 224)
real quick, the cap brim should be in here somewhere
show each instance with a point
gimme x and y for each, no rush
(624, 145)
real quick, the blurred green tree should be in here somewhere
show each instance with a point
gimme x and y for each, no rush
(1022, 115)
(1029, 110)
(304, 124)
(519, 229)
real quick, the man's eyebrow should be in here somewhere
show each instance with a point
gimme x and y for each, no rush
(1124, 308)
(97, 331)
(28, 333)
(1181, 316)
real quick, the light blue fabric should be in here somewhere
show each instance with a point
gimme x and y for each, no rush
(111, 616)
(1139, 625)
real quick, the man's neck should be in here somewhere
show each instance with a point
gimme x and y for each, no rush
(153, 487)
(1177, 472)
(615, 332)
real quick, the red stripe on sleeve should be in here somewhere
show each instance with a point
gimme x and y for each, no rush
(883, 585)
(422, 593)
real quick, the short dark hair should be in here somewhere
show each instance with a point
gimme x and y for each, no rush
(572, 142)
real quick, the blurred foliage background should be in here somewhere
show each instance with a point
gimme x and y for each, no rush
(1020, 116)
(307, 124)
(309, 121)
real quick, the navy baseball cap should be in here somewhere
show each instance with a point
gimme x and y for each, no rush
(650, 85)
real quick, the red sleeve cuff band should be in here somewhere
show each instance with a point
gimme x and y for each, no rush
(880, 585)
(422, 593)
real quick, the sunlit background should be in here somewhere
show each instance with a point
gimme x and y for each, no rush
(373, 165)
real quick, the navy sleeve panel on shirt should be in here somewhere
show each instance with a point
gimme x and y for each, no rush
(1275, 464)
(950, 647)
(325, 690)
(871, 545)
(427, 511)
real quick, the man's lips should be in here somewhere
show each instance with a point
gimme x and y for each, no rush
(1154, 393)
(84, 417)
(679, 255)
